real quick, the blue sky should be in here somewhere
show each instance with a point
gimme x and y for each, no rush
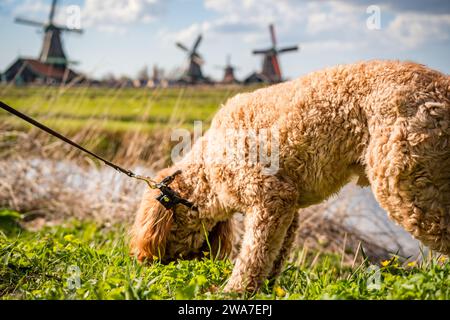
(122, 36)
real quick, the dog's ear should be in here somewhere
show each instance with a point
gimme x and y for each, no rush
(221, 239)
(150, 229)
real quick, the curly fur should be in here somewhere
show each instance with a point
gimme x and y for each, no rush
(387, 122)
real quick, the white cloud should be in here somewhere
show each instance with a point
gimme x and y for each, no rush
(252, 16)
(115, 15)
(328, 46)
(245, 23)
(39, 11)
(185, 36)
(112, 16)
(294, 20)
(413, 29)
(328, 22)
(332, 16)
(33, 8)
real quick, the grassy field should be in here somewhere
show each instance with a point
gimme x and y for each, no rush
(121, 124)
(116, 109)
(89, 261)
(110, 121)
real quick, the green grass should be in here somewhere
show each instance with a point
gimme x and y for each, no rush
(106, 120)
(115, 109)
(87, 261)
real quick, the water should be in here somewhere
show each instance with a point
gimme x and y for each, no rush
(370, 221)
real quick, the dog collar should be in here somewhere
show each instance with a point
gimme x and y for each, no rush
(168, 197)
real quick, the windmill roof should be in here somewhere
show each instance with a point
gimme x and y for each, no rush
(46, 70)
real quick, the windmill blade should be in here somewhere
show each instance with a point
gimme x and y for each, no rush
(52, 12)
(79, 31)
(29, 22)
(260, 51)
(181, 46)
(286, 49)
(197, 42)
(272, 35)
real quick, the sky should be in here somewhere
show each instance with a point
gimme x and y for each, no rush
(122, 36)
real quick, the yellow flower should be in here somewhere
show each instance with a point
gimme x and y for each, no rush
(279, 292)
(442, 259)
(412, 264)
(385, 263)
(390, 262)
(69, 237)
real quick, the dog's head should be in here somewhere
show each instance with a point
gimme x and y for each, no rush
(179, 232)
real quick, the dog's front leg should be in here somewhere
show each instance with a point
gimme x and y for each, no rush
(285, 248)
(265, 230)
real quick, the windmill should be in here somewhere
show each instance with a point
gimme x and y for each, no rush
(193, 73)
(228, 76)
(271, 71)
(52, 65)
(52, 51)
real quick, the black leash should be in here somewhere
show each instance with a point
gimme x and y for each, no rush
(168, 197)
(63, 138)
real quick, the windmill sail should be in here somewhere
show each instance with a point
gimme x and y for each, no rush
(29, 22)
(271, 70)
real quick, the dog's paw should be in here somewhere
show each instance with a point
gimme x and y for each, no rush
(237, 286)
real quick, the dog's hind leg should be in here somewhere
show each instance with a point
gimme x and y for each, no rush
(286, 248)
(419, 204)
(265, 230)
(409, 171)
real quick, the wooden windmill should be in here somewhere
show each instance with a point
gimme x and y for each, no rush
(52, 64)
(271, 71)
(52, 51)
(228, 76)
(193, 72)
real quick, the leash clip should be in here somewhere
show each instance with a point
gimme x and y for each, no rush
(170, 198)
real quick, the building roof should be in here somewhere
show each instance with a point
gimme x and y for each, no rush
(46, 70)
(29, 70)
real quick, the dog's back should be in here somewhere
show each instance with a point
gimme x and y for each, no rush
(326, 119)
(369, 85)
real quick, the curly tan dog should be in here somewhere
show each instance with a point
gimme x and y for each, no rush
(387, 122)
